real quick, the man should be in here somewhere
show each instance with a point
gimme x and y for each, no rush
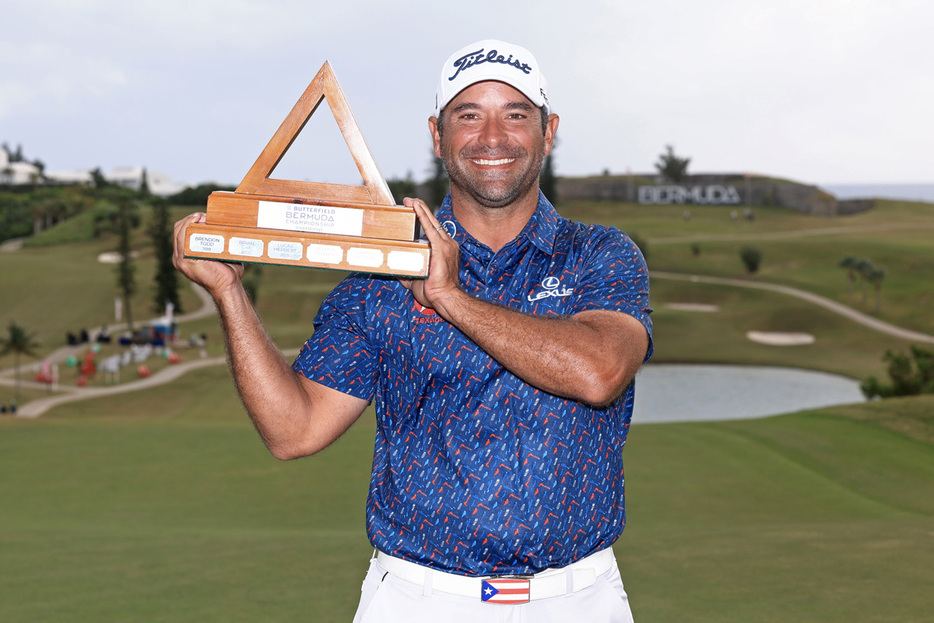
(502, 382)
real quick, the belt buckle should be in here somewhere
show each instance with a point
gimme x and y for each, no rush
(506, 589)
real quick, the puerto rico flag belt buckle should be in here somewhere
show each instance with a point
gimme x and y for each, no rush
(506, 590)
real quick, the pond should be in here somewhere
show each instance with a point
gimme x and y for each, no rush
(694, 393)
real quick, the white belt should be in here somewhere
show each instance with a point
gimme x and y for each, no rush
(542, 585)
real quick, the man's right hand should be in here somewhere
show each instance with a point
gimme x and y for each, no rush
(216, 277)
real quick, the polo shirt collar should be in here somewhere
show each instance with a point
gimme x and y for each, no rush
(541, 230)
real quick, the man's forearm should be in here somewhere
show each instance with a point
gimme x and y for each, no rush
(295, 417)
(267, 386)
(591, 357)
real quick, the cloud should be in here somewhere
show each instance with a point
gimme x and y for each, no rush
(807, 89)
(50, 76)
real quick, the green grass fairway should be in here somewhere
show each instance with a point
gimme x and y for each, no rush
(811, 517)
(113, 510)
(119, 511)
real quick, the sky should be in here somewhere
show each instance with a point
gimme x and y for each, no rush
(819, 91)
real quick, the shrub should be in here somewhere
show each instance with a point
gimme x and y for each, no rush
(751, 257)
(910, 375)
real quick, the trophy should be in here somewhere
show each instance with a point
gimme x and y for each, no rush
(312, 224)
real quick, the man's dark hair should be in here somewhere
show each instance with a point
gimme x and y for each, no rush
(542, 111)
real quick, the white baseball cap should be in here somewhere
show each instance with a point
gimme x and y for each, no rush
(492, 60)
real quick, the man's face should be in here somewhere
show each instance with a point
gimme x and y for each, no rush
(493, 145)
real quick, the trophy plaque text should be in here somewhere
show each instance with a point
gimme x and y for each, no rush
(312, 224)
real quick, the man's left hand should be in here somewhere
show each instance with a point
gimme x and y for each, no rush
(443, 280)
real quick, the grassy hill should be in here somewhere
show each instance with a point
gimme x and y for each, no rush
(162, 505)
(39, 282)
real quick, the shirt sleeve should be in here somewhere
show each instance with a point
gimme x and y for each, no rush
(339, 354)
(614, 276)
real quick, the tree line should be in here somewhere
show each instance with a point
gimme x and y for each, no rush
(863, 270)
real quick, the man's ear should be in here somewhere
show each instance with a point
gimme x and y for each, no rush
(551, 130)
(435, 136)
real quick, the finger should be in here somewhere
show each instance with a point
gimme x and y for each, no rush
(181, 227)
(181, 261)
(425, 217)
(179, 238)
(415, 203)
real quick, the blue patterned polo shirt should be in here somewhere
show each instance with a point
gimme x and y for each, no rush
(476, 472)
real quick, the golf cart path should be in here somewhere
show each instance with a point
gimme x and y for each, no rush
(35, 408)
(783, 235)
(816, 299)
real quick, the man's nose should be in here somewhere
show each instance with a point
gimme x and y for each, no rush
(493, 133)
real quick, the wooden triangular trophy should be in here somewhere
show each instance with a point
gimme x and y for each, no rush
(312, 224)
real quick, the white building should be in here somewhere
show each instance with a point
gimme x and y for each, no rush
(21, 173)
(17, 173)
(128, 177)
(80, 176)
(132, 177)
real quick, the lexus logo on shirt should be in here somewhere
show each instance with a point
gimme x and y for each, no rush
(552, 287)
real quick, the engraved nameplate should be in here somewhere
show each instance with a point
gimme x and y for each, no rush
(284, 250)
(206, 243)
(325, 253)
(246, 247)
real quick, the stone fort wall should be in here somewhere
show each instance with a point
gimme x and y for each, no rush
(712, 189)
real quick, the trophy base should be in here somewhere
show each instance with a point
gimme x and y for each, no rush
(306, 249)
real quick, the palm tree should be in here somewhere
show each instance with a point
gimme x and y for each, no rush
(18, 342)
(875, 277)
(863, 266)
(849, 263)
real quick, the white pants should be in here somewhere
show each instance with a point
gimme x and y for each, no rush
(389, 599)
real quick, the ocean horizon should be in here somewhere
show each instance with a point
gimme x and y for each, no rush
(903, 192)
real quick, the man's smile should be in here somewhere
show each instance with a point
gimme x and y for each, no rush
(492, 163)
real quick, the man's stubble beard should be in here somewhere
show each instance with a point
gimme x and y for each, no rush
(491, 194)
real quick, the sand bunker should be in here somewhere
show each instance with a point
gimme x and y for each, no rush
(697, 307)
(780, 339)
(112, 257)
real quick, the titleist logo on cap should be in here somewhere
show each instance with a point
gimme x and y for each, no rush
(472, 59)
(492, 60)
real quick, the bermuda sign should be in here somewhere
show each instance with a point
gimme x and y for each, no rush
(714, 194)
